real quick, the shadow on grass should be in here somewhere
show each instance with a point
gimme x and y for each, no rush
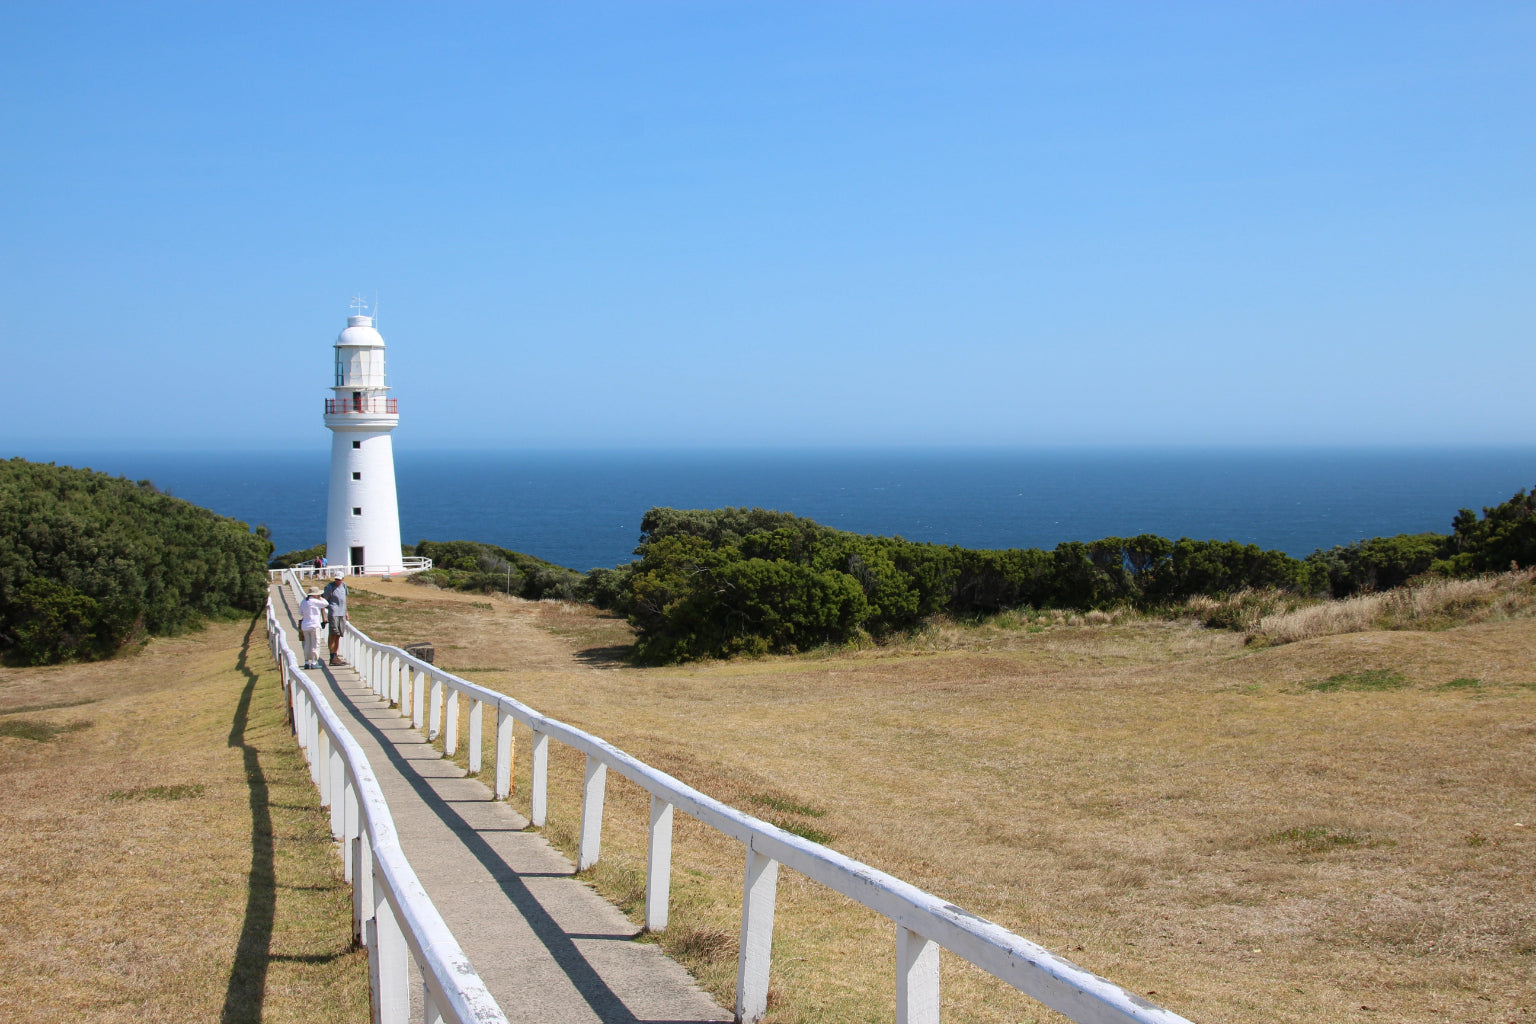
(606, 657)
(248, 977)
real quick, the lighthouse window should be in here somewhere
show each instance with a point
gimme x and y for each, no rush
(357, 444)
(357, 476)
(357, 511)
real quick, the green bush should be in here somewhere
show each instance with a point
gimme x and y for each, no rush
(1380, 563)
(488, 569)
(89, 562)
(1505, 536)
(733, 581)
(289, 559)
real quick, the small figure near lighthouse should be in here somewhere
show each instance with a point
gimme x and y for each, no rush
(362, 524)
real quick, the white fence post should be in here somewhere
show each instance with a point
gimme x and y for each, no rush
(451, 725)
(362, 887)
(503, 787)
(350, 824)
(418, 697)
(475, 714)
(589, 846)
(538, 790)
(337, 769)
(917, 978)
(758, 893)
(323, 764)
(435, 708)
(315, 733)
(389, 960)
(429, 1011)
(658, 866)
(312, 730)
(301, 718)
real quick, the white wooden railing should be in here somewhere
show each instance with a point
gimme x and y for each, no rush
(430, 697)
(404, 568)
(391, 912)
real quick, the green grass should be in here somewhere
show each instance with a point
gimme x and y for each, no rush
(178, 792)
(1462, 683)
(40, 732)
(1317, 839)
(815, 835)
(1366, 680)
(50, 706)
(787, 805)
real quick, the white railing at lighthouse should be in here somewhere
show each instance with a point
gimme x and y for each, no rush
(391, 912)
(430, 697)
(405, 567)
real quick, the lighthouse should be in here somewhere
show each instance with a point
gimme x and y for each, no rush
(362, 523)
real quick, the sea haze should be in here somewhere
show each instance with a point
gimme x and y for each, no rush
(583, 509)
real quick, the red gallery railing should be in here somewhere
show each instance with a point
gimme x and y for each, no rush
(388, 406)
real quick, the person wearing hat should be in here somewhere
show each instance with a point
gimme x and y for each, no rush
(335, 593)
(312, 612)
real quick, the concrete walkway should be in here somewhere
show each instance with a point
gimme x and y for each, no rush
(547, 946)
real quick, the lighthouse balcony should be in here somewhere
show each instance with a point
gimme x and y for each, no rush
(372, 405)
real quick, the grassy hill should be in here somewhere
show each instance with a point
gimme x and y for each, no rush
(1244, 833)
(163, 851)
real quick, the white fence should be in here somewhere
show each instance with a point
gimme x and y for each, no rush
(305, 572)
(391, 912)
(923, 922)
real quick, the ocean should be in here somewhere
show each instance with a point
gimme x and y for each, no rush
(583, 509)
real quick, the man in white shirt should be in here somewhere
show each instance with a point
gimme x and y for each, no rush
(311, 619)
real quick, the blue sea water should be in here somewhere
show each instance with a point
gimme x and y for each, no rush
(583, 509)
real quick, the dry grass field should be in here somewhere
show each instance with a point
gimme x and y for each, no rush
(162, 853)
(1334, 829)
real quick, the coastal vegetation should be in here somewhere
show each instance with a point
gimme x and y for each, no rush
(91, 563)
(752, 581)
(486, 568)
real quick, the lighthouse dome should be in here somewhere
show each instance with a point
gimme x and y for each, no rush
(360, 333)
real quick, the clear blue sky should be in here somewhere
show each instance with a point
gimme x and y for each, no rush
(682, 224)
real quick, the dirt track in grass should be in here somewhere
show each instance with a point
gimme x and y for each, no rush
(1202, 822)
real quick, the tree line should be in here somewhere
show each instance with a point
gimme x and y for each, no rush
(751, 581)
(91, 562)
(715, 583)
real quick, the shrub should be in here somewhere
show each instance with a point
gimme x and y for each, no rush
(89, 561)
(488, 569)
(729, 581)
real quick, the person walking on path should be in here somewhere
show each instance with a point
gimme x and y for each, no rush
(336, 602)
(311, 617)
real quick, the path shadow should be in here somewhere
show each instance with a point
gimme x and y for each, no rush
(595, 991)
(248, 976)
(603, 1001)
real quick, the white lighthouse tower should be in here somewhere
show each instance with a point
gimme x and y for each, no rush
(362, 523)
